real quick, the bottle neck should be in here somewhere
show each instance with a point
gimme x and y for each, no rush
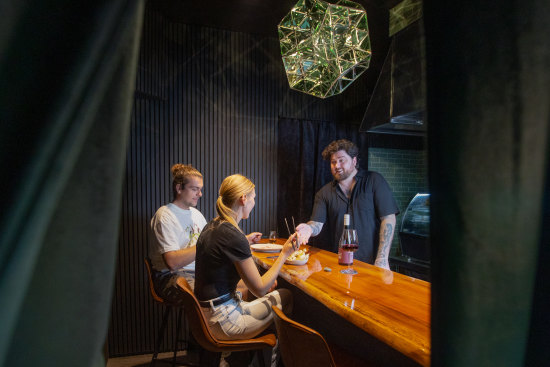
(347, 221)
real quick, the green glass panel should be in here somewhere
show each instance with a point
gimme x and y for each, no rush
(404, 14)
(325, 46)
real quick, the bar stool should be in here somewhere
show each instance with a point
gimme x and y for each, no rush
(201, 331)
(180, 319)
(302, 346)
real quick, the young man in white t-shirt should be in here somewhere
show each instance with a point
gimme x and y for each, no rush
(175, 228)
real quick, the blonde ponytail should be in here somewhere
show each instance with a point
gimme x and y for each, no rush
(231, 189)
(225, 212)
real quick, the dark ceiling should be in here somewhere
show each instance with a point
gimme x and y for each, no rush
(261, 17)
(253, 16)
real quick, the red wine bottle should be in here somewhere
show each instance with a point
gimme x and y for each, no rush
(348, 243)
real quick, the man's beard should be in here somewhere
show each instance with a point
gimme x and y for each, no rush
(342, 176)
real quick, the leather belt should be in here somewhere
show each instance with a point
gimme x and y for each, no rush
(217, 301)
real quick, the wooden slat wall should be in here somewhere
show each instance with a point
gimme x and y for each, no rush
(211, 98)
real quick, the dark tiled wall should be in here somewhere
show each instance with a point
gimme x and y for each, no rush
(406, 172)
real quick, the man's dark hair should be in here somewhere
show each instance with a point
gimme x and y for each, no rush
(342, 144)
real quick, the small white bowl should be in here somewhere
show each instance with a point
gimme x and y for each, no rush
(298, 262)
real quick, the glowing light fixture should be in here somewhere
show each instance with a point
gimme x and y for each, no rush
(325, 46)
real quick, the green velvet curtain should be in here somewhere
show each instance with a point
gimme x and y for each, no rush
(67, 72)
(488, 83)
(67, 75)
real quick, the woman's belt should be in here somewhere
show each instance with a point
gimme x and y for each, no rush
(217, 301)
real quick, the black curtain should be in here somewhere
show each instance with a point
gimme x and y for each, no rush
(302, 170)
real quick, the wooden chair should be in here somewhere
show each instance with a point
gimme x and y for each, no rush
(301, 346)
(201, 332)
(162, 330)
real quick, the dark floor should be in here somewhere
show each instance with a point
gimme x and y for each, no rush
(164, 359)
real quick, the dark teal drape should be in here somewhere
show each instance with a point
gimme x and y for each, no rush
(67, 74)
(488, 85)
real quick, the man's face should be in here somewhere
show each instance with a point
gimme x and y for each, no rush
(342, 165)
(190, 194)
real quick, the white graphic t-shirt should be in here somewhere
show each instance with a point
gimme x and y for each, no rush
(174, 228)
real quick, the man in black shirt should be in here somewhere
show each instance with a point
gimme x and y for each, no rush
(365, 195)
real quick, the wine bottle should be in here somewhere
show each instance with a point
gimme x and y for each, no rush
(348, 243)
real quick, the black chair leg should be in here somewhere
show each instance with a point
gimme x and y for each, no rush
(185, 330)
(160, 335)
(179, 320)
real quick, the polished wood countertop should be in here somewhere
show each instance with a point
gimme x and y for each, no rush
(390, 306)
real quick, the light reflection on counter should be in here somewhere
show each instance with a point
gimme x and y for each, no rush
(351, 304)
(303, 272)
(386, 276)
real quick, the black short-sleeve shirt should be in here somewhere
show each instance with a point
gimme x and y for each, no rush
(220, 244)
(371, 198)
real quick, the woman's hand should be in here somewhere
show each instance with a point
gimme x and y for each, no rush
(254, 237)
(258, 284)
(290, 246)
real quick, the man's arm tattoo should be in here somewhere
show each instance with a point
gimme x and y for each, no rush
(386, 237)
(316, 227)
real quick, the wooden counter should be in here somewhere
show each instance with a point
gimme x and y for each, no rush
(391, 307)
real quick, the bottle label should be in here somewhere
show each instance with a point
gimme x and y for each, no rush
(345, 257)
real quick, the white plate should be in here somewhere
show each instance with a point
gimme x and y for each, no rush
(266, 247)
(298, 262)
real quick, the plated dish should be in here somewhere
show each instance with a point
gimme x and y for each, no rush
(266, 247)
(299, 257)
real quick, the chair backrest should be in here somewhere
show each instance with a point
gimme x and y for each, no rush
(151, 286)
(300, 345)
(199, 327)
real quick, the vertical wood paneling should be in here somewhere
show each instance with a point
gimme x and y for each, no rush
(211, 98)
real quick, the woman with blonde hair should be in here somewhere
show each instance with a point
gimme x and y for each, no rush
(224, 260)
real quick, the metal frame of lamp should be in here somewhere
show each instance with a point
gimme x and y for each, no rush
(324, 46)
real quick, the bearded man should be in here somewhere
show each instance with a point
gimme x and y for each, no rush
(365, 195)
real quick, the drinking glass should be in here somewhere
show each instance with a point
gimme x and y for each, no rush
(272, 236)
